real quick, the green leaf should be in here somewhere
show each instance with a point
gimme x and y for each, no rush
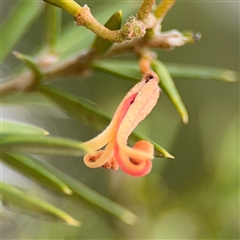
(18, 22)
(29, 98)
(80, 191)
(69, 6)
(168, 86)
(33, 66)
(43, 145)
(17, 128)
(53, 26)
(201, 72)
(158, 150)
(74, 39)
(78, 108)
(33, 205)
(90, 115)
(35, 171)
(130, 70)
(101, 45)
(83, 193)
(121, 68)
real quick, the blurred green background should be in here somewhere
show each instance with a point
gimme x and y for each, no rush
(195, 196)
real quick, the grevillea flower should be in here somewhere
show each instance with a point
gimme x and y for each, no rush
(135, 106)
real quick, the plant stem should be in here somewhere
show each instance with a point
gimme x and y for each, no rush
(75, 66)
(163, 8)
(21, 83)
(85, 18)
(145, 9)
(69, 6)
(52, 27)
(132, 29)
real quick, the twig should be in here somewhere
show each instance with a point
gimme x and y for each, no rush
(145, 9)
(78, 65)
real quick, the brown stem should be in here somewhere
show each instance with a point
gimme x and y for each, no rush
(78, 65)
(22, 83)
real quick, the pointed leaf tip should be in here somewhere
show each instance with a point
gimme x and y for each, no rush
(33, 169)
(185, 119)
(201, 72)
(158, 150)
(44, 145)
(229, 76)
(67, 190)
(168, 155)
(46, 133)
(33, 66)
(19, 200)
(69, 6)
(82, 193)
(12, 128)
(129, 218)
(73, 222)
(169, 87)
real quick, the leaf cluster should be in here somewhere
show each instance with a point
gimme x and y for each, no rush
(59, 56)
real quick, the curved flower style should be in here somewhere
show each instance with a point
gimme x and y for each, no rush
(135, 106)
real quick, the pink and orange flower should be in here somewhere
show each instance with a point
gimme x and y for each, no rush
(134, 107)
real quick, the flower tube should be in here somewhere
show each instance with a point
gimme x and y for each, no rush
(134, 107)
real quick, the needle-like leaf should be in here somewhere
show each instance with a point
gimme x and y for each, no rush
(90, 115)
(30, 204)
(77, 107)
(33, 66)
(16, 128)
(126, 69)
(201, 72)
(35, 171)
(53, 26)
(130, 70)
(169, 87)
(18, 22)
(42, 145)
(80, 192)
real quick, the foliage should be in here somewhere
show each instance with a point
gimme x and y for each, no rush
(68, 53)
